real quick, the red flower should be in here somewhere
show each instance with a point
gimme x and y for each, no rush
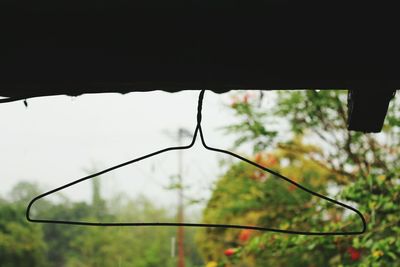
(244, 235)
(246, 98)
(272, 160)
(292, 187)
(229, 252)
(354, 253)
(258, 176)
(258, 158)
(234, 101)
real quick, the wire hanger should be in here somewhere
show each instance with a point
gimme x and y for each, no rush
(197, 131)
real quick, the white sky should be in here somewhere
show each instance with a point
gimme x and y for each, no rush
(59, 139)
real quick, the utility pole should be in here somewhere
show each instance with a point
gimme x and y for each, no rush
(180, 216)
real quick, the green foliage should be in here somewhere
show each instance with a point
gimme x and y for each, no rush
(252, 126)
(362, 168)
(21, 243)
(27, 244)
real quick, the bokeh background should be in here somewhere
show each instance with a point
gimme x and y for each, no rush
(301, 134)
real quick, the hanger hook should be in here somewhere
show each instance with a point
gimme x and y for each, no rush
(199, 107)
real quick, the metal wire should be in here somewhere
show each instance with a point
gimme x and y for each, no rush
(198, 130)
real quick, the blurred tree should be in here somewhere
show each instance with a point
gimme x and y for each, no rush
(27, 244)
(129, 246)
(247, 195)
(98, 203)
(21, 243)
(361, 169)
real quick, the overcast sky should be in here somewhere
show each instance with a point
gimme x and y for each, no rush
(59, 139)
